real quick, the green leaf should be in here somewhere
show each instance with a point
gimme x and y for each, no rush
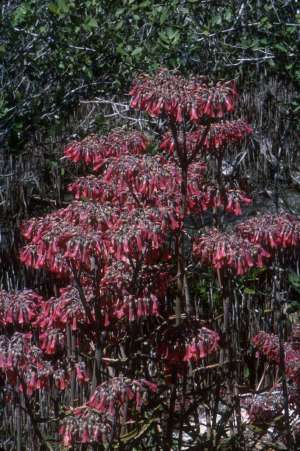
(137, 51)
(293, 306)
(170, 36)
(217, 20)
(90, 24)
(246, 372)
(281, 47)
(63, 6)
(53, 8)
(19, 15)
(120, 12)
(294, 280)
(228, 15)
(163, 17)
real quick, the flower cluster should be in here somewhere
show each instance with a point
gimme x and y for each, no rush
(118, 391)
(76, 235)
(19, 308)
(218, 136)
(65, 310)
(224, 250)
(82, 374)
(14, 351)
(272, 231)
(94, 150)
(134, 308)
(142, 233)
(264, 407)
(24, 366)
(85, 425)
(268, 345)
(145, 174)
(122, 295)
(187, 342)
(92, 187)
(228, 199)
(194, 98)
(92, 422)
(52, 341)
(93, 217)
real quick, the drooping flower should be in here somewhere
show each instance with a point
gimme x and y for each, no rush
(223, 250)
(52, 341)
(25, 367)
(172, 95)
(19, 308)
(187, 342)
(118, 391)
(272, 231)
(85, 425)
(268, 345)
(94, 150)
(218, 136)
(67, 309)
(82, 374)
(264, 407)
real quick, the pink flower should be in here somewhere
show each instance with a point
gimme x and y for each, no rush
(228, 251)
(170, 94)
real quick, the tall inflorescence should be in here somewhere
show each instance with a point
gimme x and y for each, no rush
(124, 253)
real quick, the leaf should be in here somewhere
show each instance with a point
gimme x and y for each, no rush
(137, 51)
(294, 280)
(281, 48)
(246, 372)
(293, 307)
(53, 8)
(228, 15)
(217, 20)
(90, 24)
(19, 15)
(170, 36)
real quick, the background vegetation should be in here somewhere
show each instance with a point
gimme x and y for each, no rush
(54, 53)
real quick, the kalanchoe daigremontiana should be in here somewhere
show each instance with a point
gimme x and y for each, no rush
(109, 405)
(85, 425)
(268, 345)
(94, 150)
(264, 407)
(187, 342)
(52, 341)
(24, 366)
(66, 309)
(19, 308)
(272, 231)
(110, 396)
(218, 137)
(228, 251)
(172, 95)
(94, 188)
(114, 250)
